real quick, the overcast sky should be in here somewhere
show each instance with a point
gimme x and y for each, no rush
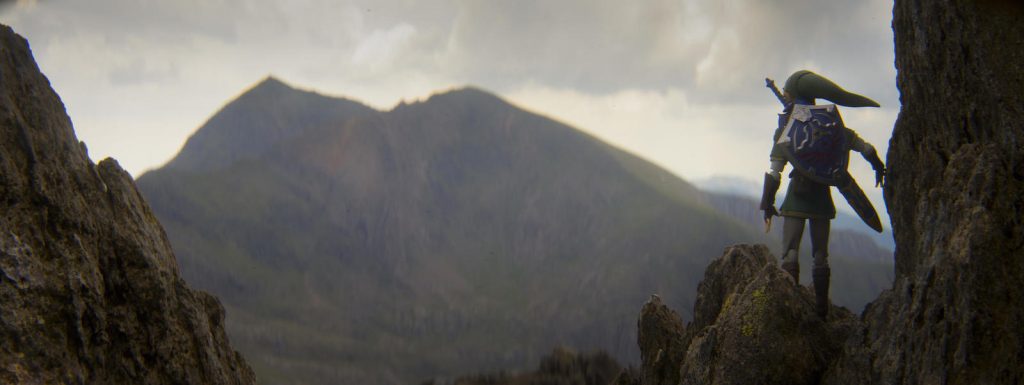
(677, 82)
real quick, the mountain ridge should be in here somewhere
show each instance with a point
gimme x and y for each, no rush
(275, 105)
(440, 161)
(460, 215)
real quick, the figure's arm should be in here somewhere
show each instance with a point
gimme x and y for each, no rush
(776, 167)
(772, 180)
(868, 152)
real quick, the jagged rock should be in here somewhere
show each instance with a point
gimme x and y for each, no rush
(89, 288)
(660, 335)
(956, 195)
(724, 277)
(752, 324)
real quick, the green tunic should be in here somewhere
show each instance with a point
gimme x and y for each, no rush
(806, 198)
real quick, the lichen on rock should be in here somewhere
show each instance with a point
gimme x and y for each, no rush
(758, 327)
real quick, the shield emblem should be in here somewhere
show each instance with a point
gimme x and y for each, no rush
(815, 142)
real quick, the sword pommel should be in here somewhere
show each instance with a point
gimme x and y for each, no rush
(768, 82)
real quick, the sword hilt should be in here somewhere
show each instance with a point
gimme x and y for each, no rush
(768, 82)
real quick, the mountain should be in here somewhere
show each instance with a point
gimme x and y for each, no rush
(262, 117)
(439, 238)
(955, 192)
(90, 291)
(730, 185)
(456, 235)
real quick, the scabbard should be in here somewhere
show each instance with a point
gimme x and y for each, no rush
(860, 203)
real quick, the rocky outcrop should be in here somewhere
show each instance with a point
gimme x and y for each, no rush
(955, 196)
(757, 326)
(662, 343)
(89, 288)
(752, 325)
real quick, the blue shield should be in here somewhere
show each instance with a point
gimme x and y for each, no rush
(815, 142)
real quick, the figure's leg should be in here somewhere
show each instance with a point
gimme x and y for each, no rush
(792, 231)
(821, 272)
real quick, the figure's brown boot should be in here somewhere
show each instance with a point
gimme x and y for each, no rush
(791, 265)
(821, 277)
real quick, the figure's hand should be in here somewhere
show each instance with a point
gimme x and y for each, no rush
(876, 163)
(770, 212)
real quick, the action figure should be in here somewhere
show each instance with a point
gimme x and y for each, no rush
(814, 139)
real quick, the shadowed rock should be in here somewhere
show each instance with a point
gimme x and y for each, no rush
(628, 376)
(752, 325)
(661, 340)
(89, 288)
(956, 195)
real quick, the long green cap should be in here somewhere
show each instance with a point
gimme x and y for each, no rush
(809, 85)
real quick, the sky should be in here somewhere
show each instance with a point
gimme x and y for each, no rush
(680, 83)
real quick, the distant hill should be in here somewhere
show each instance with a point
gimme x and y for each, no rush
(747, 189)
(456, 235)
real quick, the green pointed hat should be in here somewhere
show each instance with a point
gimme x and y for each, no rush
(809, 85)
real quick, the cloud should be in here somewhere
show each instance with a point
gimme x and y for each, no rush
(378, 50)
(595, 46)
(653, 76)
(720, 48)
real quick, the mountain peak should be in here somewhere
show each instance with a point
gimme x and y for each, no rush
(271, 79)
(271, 87)
(465, 94)
(266, 114)
(271, 83)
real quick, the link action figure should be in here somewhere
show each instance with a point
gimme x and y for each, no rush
(815, 141)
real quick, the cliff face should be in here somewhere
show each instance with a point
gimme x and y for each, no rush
(955, 195)
(956, 158)
(89, 290)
